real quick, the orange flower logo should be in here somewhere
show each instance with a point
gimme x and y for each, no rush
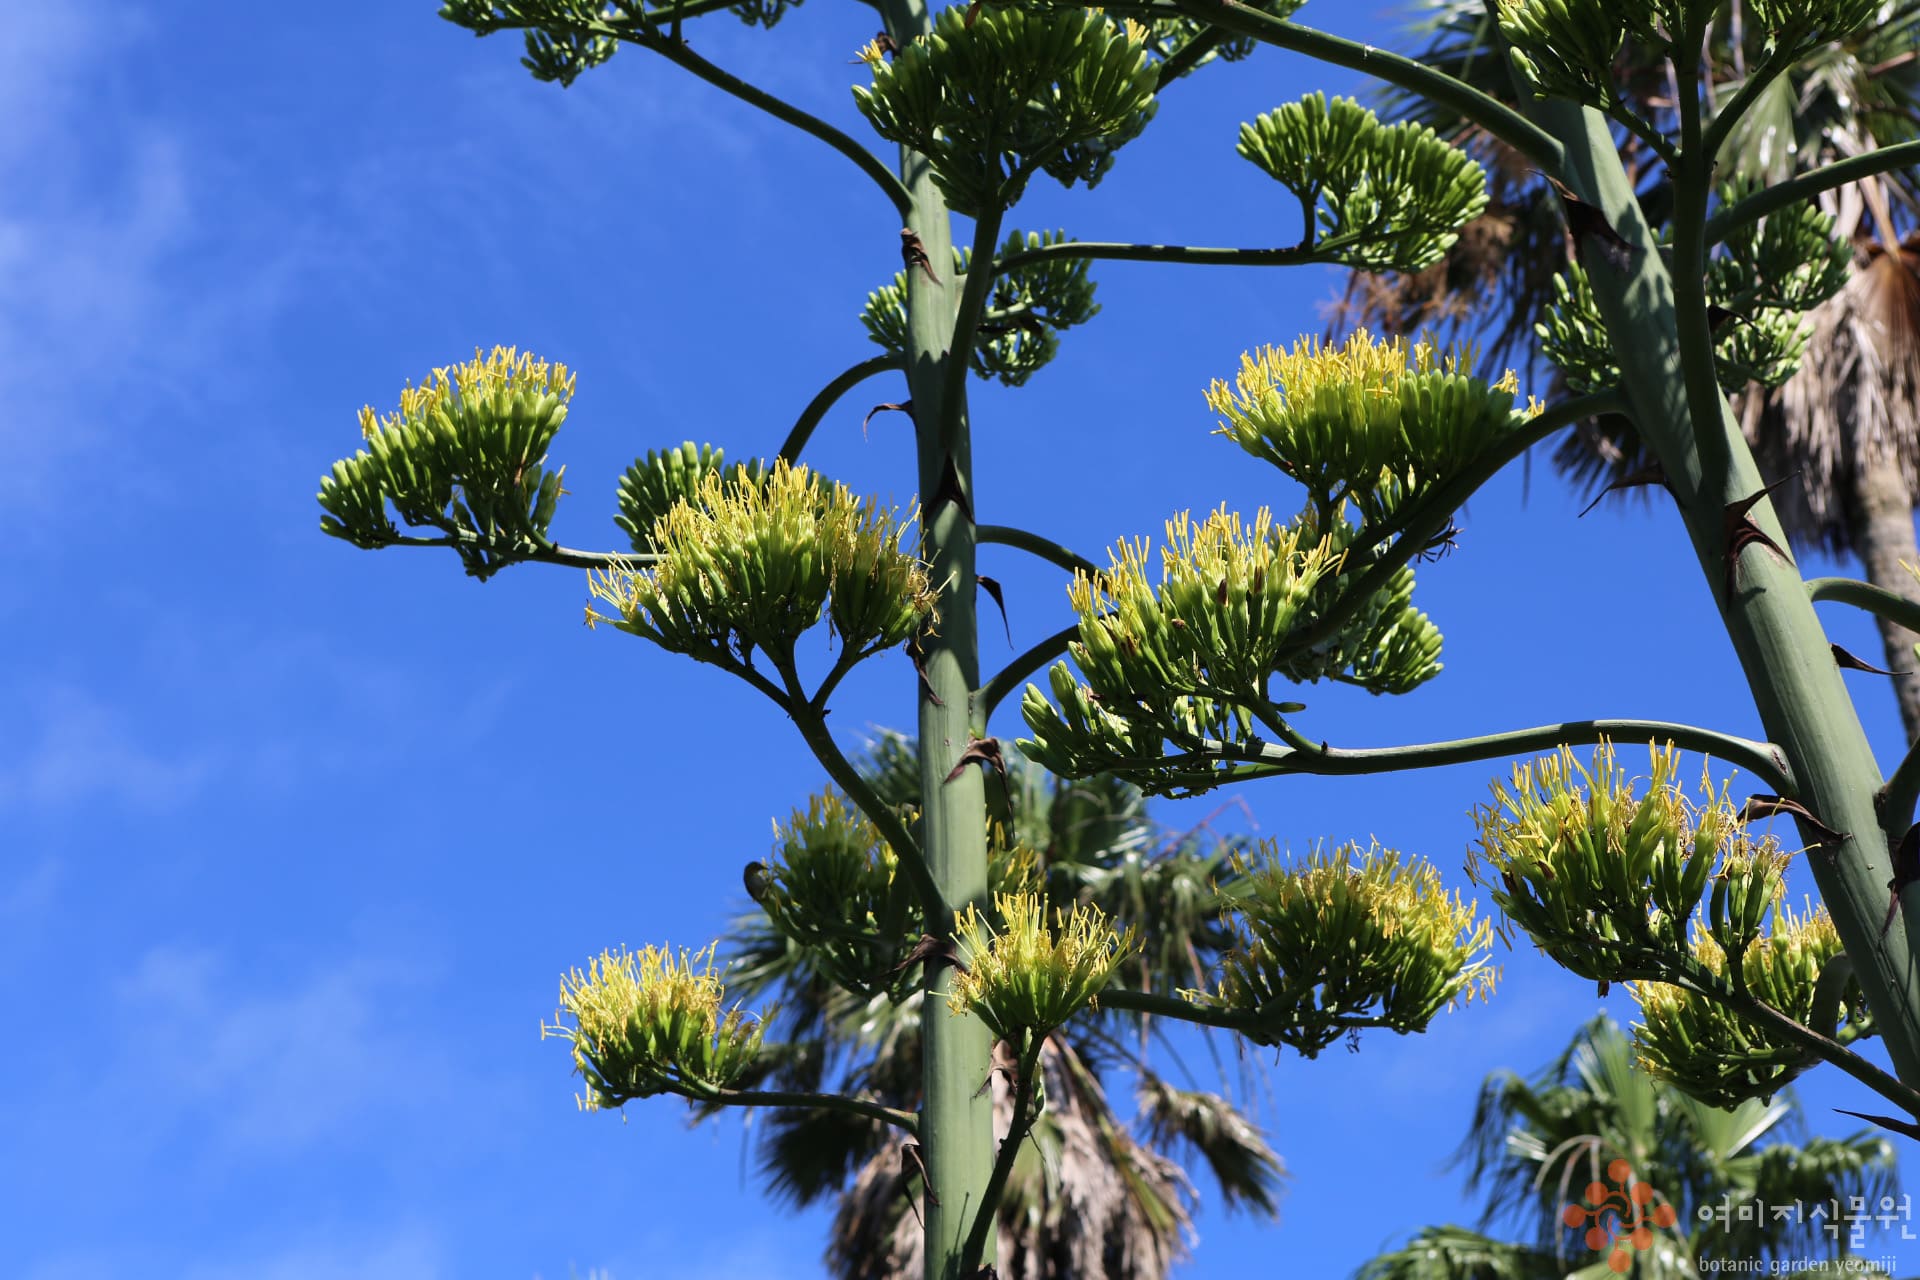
(1618, 1219)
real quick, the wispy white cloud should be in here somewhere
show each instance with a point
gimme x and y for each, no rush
(409, 1254)
(271, 1069)
(80, 748)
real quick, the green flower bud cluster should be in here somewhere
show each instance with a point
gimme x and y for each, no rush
(754, 566)
(1604, 882)
(1714, 1053)
(1186, 658)
(1381, 197)
(648, 1022)
(463, 454)
(833, 885)
(1342, 940)
(1762, 281)
(1027, 308)
(1375, 422)
(1804, 24)
(1611, 886)
(1027, 975)
(564, 37)
(653, 484)
(1567, 48)
(995, 94)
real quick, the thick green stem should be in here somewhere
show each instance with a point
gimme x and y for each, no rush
(956, 1118)
(1664, 347)
(1027, 1060)
(829, 396)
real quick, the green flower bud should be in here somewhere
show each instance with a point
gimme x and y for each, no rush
(1606, 878)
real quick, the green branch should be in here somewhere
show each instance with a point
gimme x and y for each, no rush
(1723, 123)
(1888, 1086)
(829, 396)
(1878, 601)
(991, 694)
(1764, 760)
(1897, 798)
(1187, 57)
(1292, 256)
(1770, 199)
(1034, 544)
(1208, 1016)
(1496, 117)
(786, 112)
(1642, 129)
(1429, 515)
(551, 554)
(814, 1101)
(973, 301)
(812, 724)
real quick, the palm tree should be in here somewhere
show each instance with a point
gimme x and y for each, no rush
(1090, 1196)
(1847, 425)
(1535, 1147)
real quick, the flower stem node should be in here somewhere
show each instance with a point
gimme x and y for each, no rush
(1027, 975)
(650, 1022)
(1346, 940)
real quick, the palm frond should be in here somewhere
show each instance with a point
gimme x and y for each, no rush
(1455, 1253)
(1249, 1172)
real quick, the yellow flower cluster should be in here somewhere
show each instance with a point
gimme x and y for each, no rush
(1720, 1056)
(650, 1022)
(494, 380)
(1593, 872)
(1343, 941)
(1368, 420)
(1028, 976)
(756, 564)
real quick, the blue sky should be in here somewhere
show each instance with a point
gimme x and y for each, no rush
(298, 838)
